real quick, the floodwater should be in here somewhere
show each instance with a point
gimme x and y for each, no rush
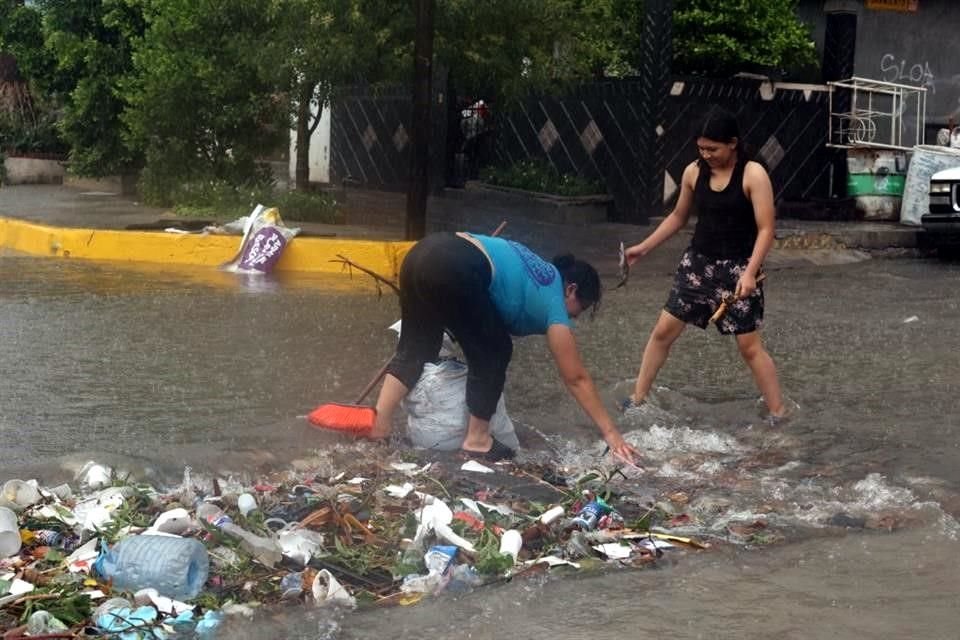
(155, 369)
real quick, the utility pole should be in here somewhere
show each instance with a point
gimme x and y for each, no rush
(418, 187)
(652, 107)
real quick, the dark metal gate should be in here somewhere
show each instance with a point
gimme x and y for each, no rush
(592, 131)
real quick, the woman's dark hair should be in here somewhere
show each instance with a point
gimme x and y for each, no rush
(583, 275)
(721, 125)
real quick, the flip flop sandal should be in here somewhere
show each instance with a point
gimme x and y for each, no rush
(497, 452)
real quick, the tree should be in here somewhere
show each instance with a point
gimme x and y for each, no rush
(722, 37)
(326, 44)
(91, 42)
(21, 35)
(201, 105)
(29, 108)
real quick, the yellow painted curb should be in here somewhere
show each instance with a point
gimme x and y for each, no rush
(305, 254)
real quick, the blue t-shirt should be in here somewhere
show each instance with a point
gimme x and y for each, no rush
(526, 289)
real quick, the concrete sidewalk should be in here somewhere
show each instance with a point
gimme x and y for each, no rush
(798, 241)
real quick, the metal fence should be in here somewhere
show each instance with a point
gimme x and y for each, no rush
(592, 132)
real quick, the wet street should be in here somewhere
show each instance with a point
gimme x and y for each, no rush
(152, 369)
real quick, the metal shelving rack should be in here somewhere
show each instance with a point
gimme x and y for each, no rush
(874, 114)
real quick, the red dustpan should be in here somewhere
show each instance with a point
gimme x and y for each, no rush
(349, 418)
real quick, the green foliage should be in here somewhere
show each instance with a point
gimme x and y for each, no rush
(540, 176)
(129, 514)
(201, 104)
(489, 559)
(21, 35)
(68, 609)
(38, 133)
(209, 198)
(3, 168)
(722, 37)
(92, 44)
(308, 206)
(221, 200)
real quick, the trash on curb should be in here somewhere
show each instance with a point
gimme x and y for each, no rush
(264, 239)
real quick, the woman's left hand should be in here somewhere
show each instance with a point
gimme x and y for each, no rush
(621, 449)
(746, 285)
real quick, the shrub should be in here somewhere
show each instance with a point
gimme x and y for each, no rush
(214, 199)
(3, 168)
(539, 175)
(220, 200)
(37, 135)
(308, 206)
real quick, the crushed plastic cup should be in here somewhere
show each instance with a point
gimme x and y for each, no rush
(299, 544)
(9, 533)
(94, 476)
(326, 590)
(174, 521)
(110, 604)
(23, 494)
(44, 623)
(291, 586)
(62, 491)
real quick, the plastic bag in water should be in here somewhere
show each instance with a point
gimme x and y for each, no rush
(264, 239)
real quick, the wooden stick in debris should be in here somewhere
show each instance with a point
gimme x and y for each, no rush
(350, 264)
(727, 301)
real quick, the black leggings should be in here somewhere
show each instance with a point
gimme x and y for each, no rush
(444, 284)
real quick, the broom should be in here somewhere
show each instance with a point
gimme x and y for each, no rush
(349, 418)
(355, 418)
(727, 300)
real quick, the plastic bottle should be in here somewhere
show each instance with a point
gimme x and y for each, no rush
(586, 520)
(265, 550)
(175, 567)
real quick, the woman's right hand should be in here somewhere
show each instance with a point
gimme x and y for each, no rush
(381, 429)
(634, 253)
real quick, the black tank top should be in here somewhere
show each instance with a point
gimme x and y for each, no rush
(726, 227)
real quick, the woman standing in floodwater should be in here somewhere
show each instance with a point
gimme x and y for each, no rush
(734, 232)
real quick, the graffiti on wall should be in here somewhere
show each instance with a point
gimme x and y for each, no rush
(902, 71)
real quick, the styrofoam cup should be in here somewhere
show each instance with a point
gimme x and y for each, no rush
(95, 476)
(551, 514)
(23, 494)
(510, 542)
(246, 503)
(9, 533)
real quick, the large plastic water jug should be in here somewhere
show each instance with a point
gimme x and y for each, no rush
(176, 567)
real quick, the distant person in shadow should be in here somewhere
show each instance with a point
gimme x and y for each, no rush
(484, 290)
(733, 198)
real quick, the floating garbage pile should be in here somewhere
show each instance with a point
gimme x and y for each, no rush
(115, 557)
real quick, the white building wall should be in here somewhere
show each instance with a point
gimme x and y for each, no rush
(319, 150)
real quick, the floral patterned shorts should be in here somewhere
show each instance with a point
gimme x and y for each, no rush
(699, 287)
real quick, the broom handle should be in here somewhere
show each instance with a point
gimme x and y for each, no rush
(373, 382)
(383, 370)
(722, 309)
